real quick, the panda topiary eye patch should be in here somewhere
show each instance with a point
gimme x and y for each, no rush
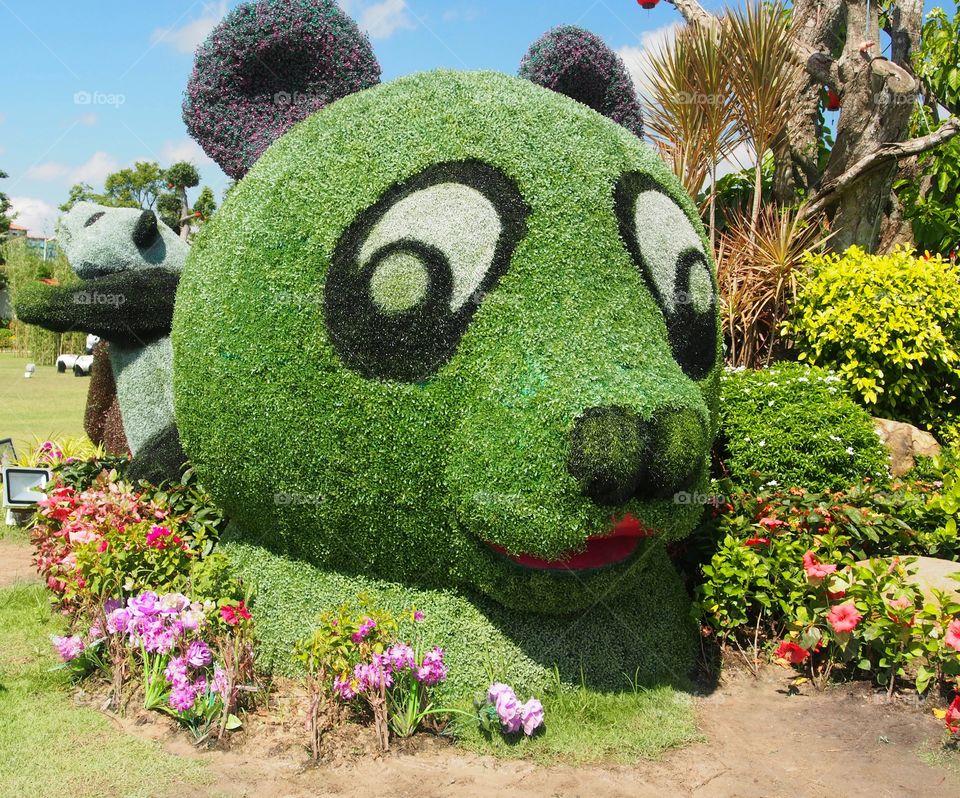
(670, 254)
(409, 273)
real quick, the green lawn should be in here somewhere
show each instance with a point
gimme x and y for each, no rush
(48, 405)
(49, 746)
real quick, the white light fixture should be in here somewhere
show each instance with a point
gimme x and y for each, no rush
(23, 487)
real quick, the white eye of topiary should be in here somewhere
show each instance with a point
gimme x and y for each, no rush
(453, 218)
(664, 233)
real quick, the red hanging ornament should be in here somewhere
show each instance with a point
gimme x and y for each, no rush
(647, 5)
(833, 102)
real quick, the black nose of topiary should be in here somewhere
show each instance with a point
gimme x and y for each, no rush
(616, 456)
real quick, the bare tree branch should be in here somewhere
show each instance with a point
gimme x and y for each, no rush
(881, 156)
(694, 13)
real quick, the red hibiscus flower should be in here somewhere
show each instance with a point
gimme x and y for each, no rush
(793, 653)
(952, 637)
(844, 617)
(232, 614)
(756, 542)
(952, 718)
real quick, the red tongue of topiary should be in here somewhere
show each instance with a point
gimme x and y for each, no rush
(601, 550)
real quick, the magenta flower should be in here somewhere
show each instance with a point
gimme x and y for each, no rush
(432, 670)
(69, 648)
(531, 716)
(367, 625)
(199, 654)
(417, 615)
(219, 685)
(401, 656)
(176, 672)
(183, 696)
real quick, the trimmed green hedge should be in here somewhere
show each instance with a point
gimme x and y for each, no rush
(376, 375)
(797, 425)
(648, 636)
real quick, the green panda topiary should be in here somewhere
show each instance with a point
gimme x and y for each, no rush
(455, 330)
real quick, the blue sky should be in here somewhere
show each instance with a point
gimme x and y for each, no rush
(91, 87)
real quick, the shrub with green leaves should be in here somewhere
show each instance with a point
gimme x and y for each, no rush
(796, 425)
(444, 362)
(889, 325)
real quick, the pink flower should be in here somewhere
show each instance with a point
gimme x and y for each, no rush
(417, 615)
(816, 571)
(531, 716)
(844, 617)
(952, 636)
(199, 654)
(508, 708)
(69, 648)
(952, 717)
(233, 614)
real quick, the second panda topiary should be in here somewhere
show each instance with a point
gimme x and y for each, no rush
(456, 330)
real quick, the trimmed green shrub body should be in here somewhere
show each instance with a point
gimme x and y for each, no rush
(387, 337)
(797, 426)
(889, 325)
(649, 637)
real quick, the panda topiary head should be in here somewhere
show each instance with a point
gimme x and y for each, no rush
(457, 329)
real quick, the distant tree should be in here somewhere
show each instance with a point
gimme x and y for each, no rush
(5, 220)
(181, 176)
(82, 192)
(138, 187)
(206, 205)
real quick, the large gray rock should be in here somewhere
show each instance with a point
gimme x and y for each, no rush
(905, 443)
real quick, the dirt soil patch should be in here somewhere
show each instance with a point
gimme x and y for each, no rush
(15, 566)
(759, 742)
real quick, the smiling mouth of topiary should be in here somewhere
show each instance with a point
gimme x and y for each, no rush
(617, 546)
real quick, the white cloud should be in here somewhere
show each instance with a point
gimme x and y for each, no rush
(93, 171)
(39, 217)
(381, 20)
(188, 37)
(461, 14)
(185, 149)
(637, 58)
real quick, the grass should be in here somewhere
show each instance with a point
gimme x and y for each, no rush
(49, 746)
(48, 405)
(585, 726)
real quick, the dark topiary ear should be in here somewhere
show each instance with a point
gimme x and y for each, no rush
(265, 67)
(575, 62)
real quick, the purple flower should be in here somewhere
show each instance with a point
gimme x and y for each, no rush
(496, 689)
(192, 619)
(198, 654)
(432, 670)
(372, 676)
(183, 696)
(176, 671)
(508, 709)
(144, 604)
(118, 620)
(219, 685)
(344, 688)
(401, 656)
(417, 615)
(69, 648)
(367, 625)
(531, 716)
